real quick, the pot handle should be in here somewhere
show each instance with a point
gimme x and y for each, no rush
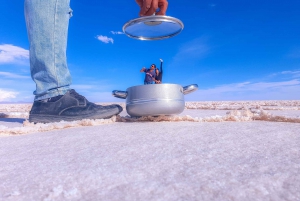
(190, 88)
(119, 94)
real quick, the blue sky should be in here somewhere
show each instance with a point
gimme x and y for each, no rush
(234, 50)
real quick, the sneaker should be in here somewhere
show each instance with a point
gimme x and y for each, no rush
(70, 107)
(161, 60)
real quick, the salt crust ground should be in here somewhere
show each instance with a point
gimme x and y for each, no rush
(11, 115)
(212, 151)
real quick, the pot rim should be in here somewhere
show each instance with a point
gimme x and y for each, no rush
(185, 90)
(152, 85)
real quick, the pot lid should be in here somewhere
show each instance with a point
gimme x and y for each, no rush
(155, 27)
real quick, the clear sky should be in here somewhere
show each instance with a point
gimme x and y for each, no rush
(233, 49)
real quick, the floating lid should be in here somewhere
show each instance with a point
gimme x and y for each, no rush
(154, 27)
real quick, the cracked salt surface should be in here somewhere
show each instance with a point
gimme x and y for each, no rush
(224, 151)
(168, 161)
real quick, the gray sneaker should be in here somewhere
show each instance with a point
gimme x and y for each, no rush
(70, 107)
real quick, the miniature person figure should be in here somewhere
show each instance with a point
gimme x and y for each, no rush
(150, 74)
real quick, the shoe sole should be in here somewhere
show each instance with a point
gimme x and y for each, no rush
(43, 118)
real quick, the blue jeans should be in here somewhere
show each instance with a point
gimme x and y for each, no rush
(148, 82)
(47, 24)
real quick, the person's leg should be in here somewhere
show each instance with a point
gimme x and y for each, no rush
(47, 26)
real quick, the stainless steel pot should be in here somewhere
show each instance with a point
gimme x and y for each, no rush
(155, 99)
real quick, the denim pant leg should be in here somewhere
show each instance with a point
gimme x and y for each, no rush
(47, 24)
